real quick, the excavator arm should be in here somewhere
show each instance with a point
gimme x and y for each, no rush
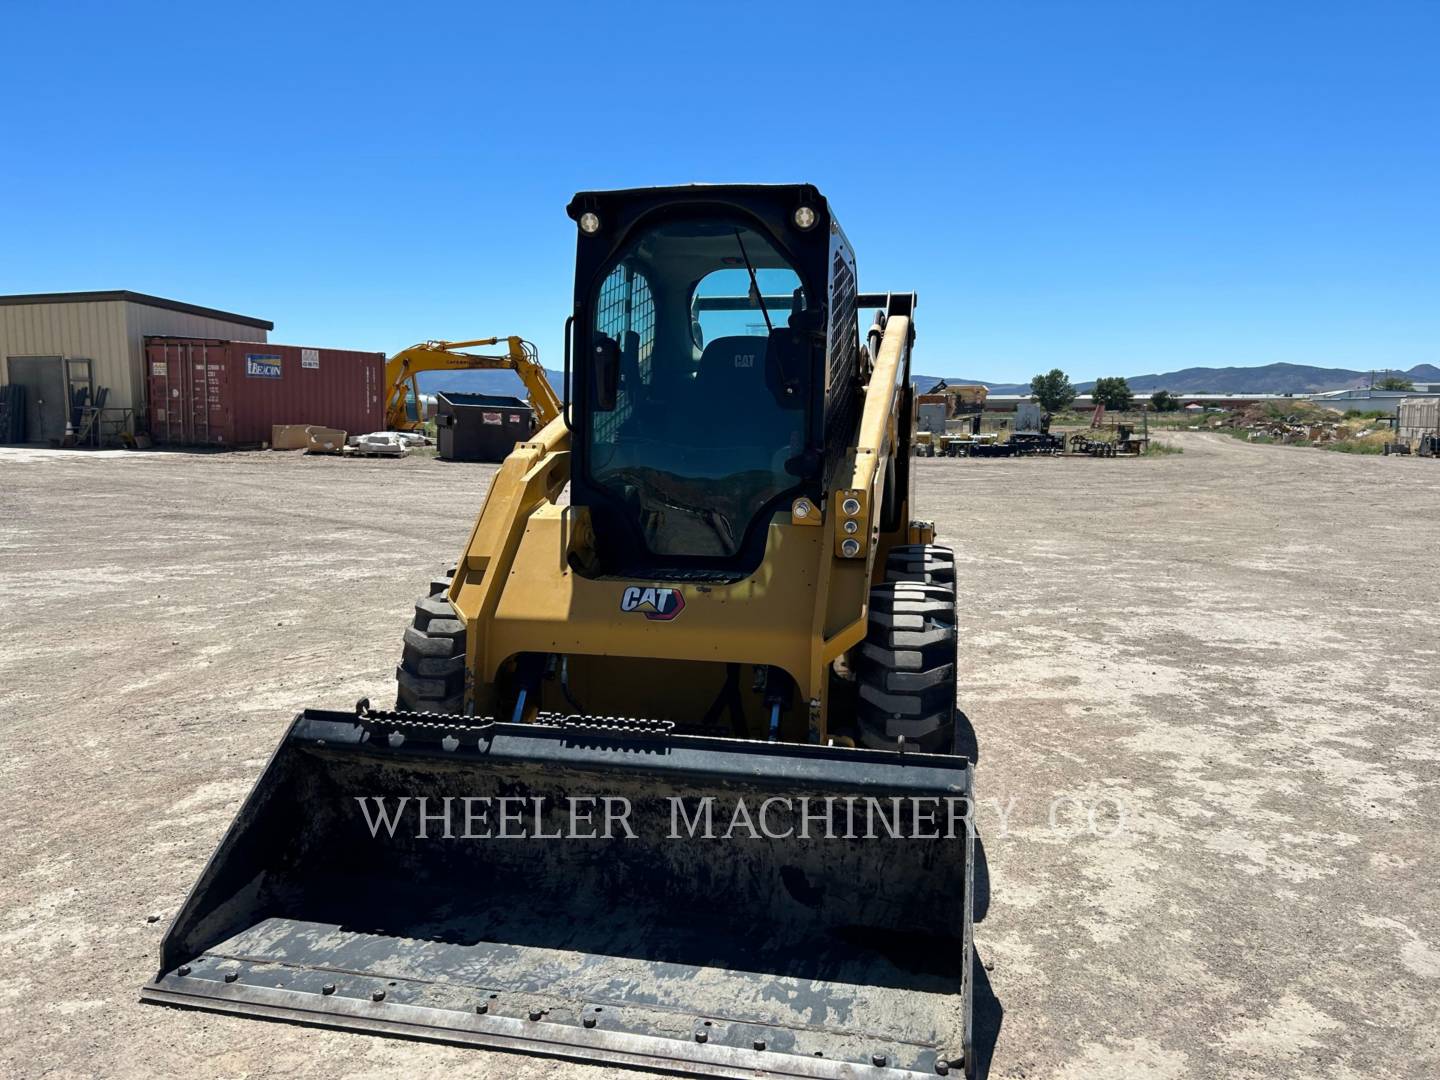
(520, 357)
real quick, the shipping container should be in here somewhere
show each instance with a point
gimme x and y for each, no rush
(481, 427)
(210, 392)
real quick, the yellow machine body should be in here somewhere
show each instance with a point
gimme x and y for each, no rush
(520, 588)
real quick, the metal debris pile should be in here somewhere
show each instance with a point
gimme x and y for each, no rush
(1299, 424)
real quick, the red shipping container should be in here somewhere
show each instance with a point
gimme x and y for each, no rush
(206, 392)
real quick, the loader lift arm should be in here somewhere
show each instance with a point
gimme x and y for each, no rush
(520, 357)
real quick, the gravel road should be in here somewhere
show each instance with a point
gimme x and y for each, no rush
(1204, 687)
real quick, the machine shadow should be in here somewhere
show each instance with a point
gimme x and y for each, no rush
(981, 883)
(967, 743)
(989, 1016)
(989, 1013)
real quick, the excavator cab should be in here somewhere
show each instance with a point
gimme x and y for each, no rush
(554, 843)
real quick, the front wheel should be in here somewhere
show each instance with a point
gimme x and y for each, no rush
(906, 667)
(431, 674)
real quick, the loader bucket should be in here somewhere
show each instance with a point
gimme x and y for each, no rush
(823, 939)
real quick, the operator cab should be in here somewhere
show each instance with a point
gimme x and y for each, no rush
(698, 408)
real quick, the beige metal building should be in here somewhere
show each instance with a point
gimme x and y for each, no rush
(56, 344)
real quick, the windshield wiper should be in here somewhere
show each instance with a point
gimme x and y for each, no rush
(759, 298)
(755, 293)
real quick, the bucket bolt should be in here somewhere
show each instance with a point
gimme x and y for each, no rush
(183, 969)
(231, 976)
(942, 1067)
(327, 989)
(878, 1060)
(535, 1014)
(759, 1044)
(482, 1008)
(378, 995)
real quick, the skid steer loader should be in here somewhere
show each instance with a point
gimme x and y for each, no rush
(671, 779)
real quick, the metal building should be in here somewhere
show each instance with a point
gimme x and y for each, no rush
(63, 347)
(1365, 398)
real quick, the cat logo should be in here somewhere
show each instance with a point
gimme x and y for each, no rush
(655, 602)
(745, 360)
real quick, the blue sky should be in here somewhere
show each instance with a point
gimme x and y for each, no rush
(1111, 188)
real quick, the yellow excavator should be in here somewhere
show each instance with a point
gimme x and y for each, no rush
(401, 370)
(675, 777)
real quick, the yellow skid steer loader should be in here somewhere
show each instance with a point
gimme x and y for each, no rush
(672, 778)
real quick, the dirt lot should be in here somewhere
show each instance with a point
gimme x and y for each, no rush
(1230, 658)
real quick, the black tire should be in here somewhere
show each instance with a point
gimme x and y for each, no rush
(431, 675)
(927, 563)
(906, 667)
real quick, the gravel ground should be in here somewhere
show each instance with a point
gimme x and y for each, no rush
(1218, 670)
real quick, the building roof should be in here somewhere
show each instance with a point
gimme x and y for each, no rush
(134, 298)
(1369, 393)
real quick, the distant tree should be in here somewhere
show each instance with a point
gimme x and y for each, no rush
(1052, 391)
(1394, 382)
(1114, 394)
(1164, 401)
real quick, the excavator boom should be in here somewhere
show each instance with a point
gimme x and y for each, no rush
(520, 357)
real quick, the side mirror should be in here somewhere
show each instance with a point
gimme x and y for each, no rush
(605, 372)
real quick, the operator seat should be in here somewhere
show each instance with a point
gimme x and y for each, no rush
(730, 380)
(736, 405)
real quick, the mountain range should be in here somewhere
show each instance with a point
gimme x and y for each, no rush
(1268, 379)
(482, 382)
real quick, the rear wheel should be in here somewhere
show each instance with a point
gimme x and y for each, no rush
(906, 667)
(431, 675)
(928, 563)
